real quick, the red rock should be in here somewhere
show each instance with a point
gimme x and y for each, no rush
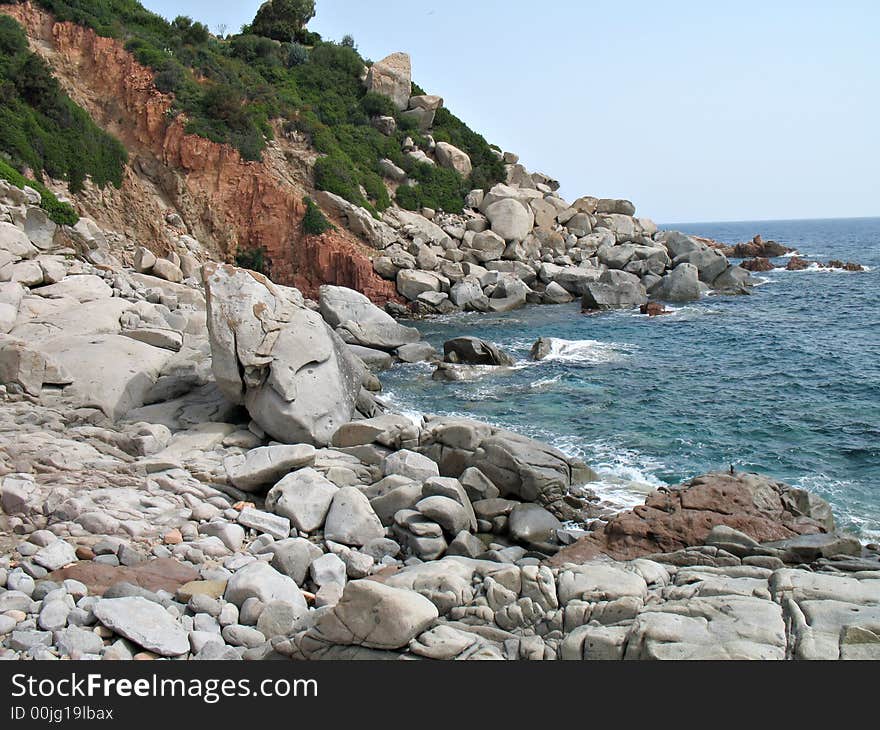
(848, 266)
(161, 574)
(653, 309)
(172, 538)
(680, 517)
(757, 264)
(228, 203)
(796, 263)
(85, 553)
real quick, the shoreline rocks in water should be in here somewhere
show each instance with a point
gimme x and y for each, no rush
(200, 468)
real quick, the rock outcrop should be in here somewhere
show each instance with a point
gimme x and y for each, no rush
(279, 359)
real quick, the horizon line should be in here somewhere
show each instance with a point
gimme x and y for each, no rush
(769, 220)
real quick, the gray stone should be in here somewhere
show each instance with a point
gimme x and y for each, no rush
(262, 581)
(266, 465)
(55, 555)
(274, 525)
(145, 623)
(375, 616)
(358, 321)
(409, 464)
(532, 524)
(304, 497)
(280, 618)
(351, 520)
(270, 353)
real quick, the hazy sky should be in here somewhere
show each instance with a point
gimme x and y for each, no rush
(693, 111)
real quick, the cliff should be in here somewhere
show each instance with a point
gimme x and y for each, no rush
(227, 203)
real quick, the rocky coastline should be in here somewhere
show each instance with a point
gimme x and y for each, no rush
(197, 463)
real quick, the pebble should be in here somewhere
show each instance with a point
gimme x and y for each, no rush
(228, 615)
(247, 636)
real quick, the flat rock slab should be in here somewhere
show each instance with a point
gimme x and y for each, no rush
(162, 574)
(145, 623)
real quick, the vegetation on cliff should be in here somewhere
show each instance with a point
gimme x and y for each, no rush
(230, 90)
(43, 130)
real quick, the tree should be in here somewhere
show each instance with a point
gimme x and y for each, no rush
(282, 20)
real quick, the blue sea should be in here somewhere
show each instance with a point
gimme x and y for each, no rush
(784, 382)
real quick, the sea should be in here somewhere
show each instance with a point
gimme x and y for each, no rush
(785, 381)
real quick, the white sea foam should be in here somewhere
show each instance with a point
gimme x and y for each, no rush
(545, 382)
(626, 476)
(592, 352)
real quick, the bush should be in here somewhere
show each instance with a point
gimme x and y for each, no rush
(314, 222)
(61, 213)
(281, 20)
(41, 128)
(297, 55)
(336, 174)
(255, 259)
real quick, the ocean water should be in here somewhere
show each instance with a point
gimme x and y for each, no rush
(785, 381)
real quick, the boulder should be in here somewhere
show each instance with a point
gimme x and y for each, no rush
(474, 351)
(304, 497)
(261, 581)
(453, 158)
(682, 284)
(358, 321)
(409, 464)
(374, 615)
(392, 77)
(510, 219)
(532, 524)
(614, 290)
(266, 465)
(351, 520)
(412, 283)
(296, 377)
(757, 506)
(144, 623)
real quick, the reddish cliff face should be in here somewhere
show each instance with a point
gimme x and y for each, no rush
(227, 202)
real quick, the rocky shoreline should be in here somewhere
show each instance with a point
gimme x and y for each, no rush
(196, 463)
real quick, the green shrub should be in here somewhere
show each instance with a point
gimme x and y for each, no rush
(255, 259)
(41, 128)
(336, 174)
(61, 213)
(278, 69)
(281, 20)
(314, 222)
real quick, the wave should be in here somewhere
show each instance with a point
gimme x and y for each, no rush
(593, 352)
(817, 267)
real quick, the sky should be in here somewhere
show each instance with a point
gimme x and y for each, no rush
(695, 111)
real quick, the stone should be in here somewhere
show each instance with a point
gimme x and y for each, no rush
(279, 359)
(166, 339)
(351, 520)
(375, 616)
(75, 640)
(556, 294)
(358, 321)
(280, 618)
(260, 580)
(412, 283)
(532, 524)
(449, 514)
(453, 158)
(416, 352)
(392, 78)
(614, 290)
(329, 568)
(304, 497)
(55, 555)
(145, 623)
(682, 284)
(510, 219)
(410, 464)
(266, 465)
(759, 507)
(265, 522)
(474, 351)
